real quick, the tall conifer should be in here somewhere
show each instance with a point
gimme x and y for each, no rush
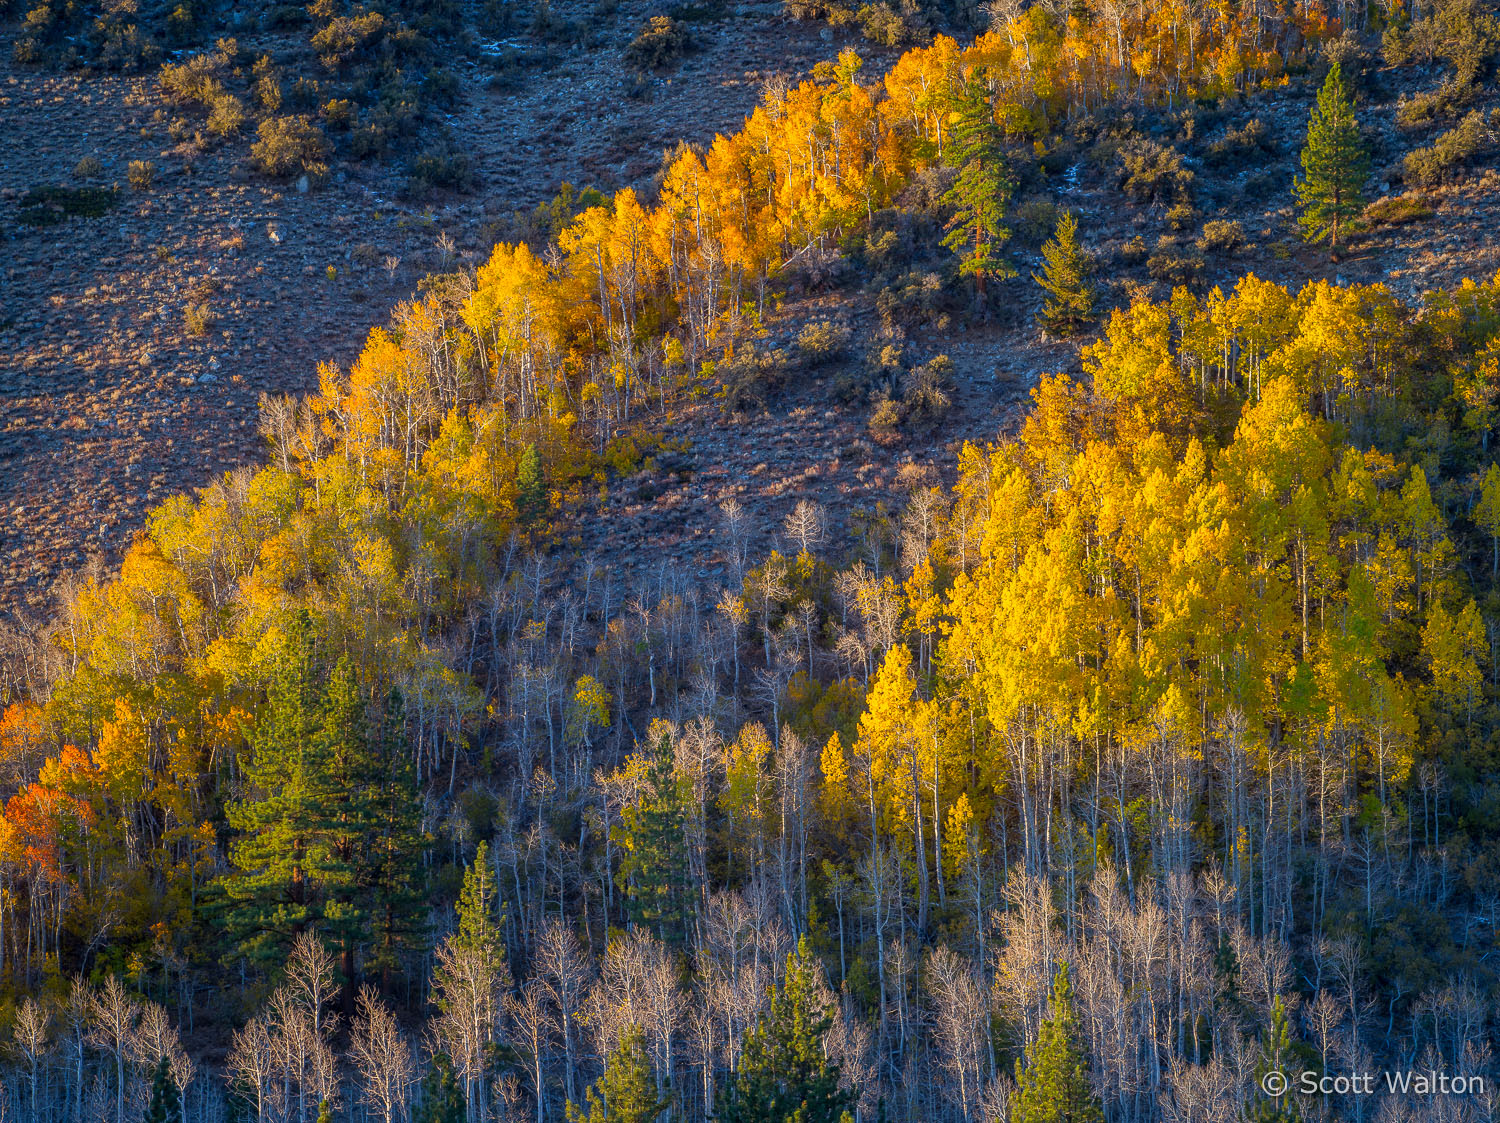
(784, 1075)
(1053, 1085)
(1069, 303)
(982, 191)
(1335, 163)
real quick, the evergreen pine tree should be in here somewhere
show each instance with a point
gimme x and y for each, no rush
(979, 196)
(478, 927)
(284, 866)
(166, 1101)
(328, 822)
(784, 1076)
(343, 744)
(1053, 1086)
(325, 1111)
(626, 1093)
(531, 488)
(654, 866)
(1335, 163)
(392, 872)
(1069, 304)
(442, 1100)
(467, 976)
(1276, 1055)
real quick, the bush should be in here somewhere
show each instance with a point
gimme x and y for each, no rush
(1474, 136)
(1348, 53)
(882, 24)
(197, 319)
(339, 113)
(139, 175)
(285, 17)
(660, 43)
(181, 23)
(928, 398)
(1239, 146)
(1259, 186)
(1396, 210)
(1153, 173)
(1034, 220)
(118, 45)
(88, 168)
(752, 375)
(198, 80)
(1436, 105)
(1134, 251)
(49, 205)
(267, 84)
(304, 94)
(441, 166)
(227, 115)
(345, 38)
(1174, 264)
(913, 299)
(1221, 237)
(1464, 33)
(442, 87)
(290, 145)
(821, 342)
(1181, 216)
(885, 421)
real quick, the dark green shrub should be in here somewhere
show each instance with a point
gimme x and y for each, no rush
(1223, 237)
(1154, 174)
(751, 376)
(441, 166)
(1238, 146)
(916, 298)
(1432, 106)
(822, 341)
(49, 205)
(1033, 221)
(1396, 210)
(1174, 264)
(288, 146)
(285, 17)
(1474, 136)
(346, 38)
(660, 43)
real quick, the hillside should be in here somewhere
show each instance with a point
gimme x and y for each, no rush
(912, 562)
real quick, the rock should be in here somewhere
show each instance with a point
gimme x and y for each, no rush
(302, 186)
